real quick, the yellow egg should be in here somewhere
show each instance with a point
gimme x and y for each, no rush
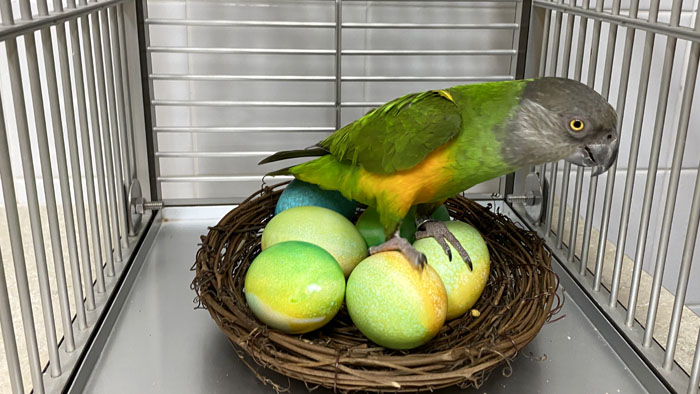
(394, 304)
(295, 287)
(319, 226)
(462, 285)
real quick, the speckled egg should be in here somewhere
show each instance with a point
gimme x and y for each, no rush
(295, 287)
(394, 304)
(299, 193)
(370, 227)
(462, 285)
(322, 227)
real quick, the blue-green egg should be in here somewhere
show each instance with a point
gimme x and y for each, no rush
(299, 194)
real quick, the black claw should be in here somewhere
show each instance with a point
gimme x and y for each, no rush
(449, 254)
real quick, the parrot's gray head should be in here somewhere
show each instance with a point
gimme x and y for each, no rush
(564, 119)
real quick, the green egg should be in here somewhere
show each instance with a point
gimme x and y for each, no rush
(319, 226)
(370, 227)
(295, 287)
(462, 285)
(393, 304)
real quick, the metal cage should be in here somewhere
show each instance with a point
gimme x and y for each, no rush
(113, 109)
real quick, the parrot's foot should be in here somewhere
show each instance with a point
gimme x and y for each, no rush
(439, 231)
(416, 258)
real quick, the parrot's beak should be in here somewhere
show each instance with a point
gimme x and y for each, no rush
(600, 154)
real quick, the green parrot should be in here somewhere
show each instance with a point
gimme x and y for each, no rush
(422, 148)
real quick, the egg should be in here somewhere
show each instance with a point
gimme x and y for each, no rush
(295, 287)
(462, 285)
(370, 227)
(322, 227)
(299, 193)
(393, 304)
(372, 231)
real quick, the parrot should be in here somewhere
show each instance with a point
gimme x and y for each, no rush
(422, 148)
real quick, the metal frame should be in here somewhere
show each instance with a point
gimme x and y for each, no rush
(100, 127)
(652, 357)
(517, 53)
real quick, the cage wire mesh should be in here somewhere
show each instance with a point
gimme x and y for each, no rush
(229, 82)
(630, 234)
(66, 159)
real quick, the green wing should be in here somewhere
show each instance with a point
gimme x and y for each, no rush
(399, 134)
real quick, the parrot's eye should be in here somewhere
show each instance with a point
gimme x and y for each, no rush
(576, 125)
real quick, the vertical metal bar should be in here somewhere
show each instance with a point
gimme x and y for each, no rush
(555, 165)
(6, 325)
(687, 257)
(684, 274)
(651, 183)
(107, 194)
(119, 136)
(567, 166)
(75, 161)
(593, 183)
(128, 135)
(147, 96)
(695, 371)
(8, 191)
(85, 143)
(634, 150)
(578, 70)
(51, 70)
(524, 12)
(46, 171)
(632, 166)
(545, 44)
(620, 106)
(29, 175)
(338, 59)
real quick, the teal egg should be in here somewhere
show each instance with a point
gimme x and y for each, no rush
(299, 194)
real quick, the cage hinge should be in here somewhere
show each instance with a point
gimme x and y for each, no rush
(533, 197)
(138, 206)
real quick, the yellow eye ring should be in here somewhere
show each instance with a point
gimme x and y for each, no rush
(576, 125)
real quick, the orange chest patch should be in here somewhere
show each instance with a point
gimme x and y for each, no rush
(419, 184)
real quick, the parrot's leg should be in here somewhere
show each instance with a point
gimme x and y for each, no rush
(396, 243)
(429, 227)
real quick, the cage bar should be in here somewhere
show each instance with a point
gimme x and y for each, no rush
(85, 143)
(6, 324)
(651, 183)
(632, 165)
(71, 132)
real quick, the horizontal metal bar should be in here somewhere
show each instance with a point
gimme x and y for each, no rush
(237, 51)
(495, 26)
(232, 23)
(223, 103)
(293, 78)
(219, 178)
(327, 52)
(410, 78)
(680, 32)
(328, 78)
(304, 24)
(184, 155)
(39, 22)
(260, 129)
(429, 52)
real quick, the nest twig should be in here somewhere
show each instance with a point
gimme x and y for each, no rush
(519, 298)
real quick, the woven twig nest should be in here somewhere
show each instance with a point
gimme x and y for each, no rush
(518, 299)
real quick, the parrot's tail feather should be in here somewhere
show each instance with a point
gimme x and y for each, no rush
(292, 154)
